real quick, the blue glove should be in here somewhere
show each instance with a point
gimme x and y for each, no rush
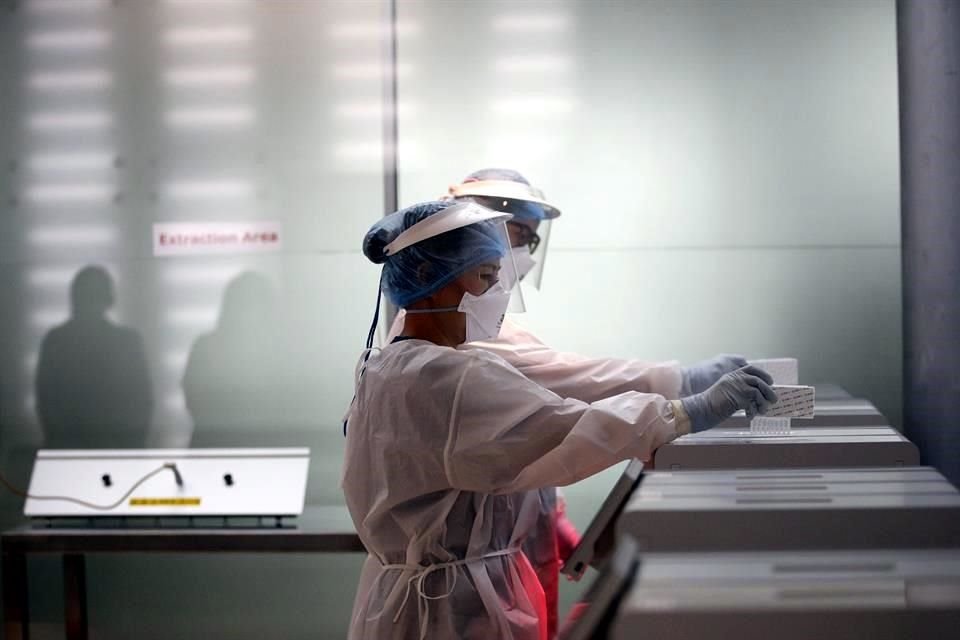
(700, 376)
(747, 388)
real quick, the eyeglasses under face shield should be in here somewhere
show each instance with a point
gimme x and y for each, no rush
(522, 230)
(532, 217)
(523, 235)
(446, 251)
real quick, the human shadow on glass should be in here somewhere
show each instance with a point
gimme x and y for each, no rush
(93, 383)
(233, 379)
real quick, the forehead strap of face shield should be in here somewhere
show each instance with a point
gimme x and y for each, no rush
(459, 215)
(503, 189)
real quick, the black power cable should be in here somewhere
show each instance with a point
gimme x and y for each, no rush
(172, 466)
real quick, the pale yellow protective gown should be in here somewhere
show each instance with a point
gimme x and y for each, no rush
(446, 452)
(568, 375)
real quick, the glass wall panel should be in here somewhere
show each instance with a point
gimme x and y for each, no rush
(727, 172)
(119, 116)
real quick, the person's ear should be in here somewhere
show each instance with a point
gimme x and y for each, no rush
(450, 295)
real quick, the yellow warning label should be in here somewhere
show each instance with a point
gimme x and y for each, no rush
(164, 502)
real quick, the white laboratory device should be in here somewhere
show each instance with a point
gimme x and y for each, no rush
(775, 509)
(791, 596)
(598, 538)
(179, 482)
(724, 448)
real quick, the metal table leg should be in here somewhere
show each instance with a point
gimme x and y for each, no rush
(16, 605)
(75, 596)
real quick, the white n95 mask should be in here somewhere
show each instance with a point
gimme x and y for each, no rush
(484, 312)
(523, 260)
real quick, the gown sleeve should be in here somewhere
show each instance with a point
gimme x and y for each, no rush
(571, 375)
(507, 434)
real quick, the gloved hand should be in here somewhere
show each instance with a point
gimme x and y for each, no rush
(699, 376)
(747, 388)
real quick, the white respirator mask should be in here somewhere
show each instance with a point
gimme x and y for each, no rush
(484, 312)
(523, 260)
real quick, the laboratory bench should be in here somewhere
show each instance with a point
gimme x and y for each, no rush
(320, 529)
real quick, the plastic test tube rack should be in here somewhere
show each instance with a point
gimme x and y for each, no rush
(762, 425)
(794, 401)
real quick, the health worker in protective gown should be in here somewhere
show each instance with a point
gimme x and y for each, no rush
(569, 375)
(448, 448)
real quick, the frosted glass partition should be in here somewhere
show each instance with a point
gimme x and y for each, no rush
(118, 116)
(727, 171)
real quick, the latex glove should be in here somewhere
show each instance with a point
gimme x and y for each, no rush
(700, 376)
(747, 388)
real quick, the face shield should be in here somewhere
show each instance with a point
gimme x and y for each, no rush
(528, 244)
(529, 228)
(510, 273)
(455, 254)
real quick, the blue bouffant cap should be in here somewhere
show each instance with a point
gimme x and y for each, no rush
(424, 268)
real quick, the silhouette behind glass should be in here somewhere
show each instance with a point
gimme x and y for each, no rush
(93, 384)
(233, 382)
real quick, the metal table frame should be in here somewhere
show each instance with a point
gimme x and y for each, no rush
(320, 535)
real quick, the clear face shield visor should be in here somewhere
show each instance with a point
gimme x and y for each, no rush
(508, 275)
(503, 271)
(528, 239)
(529, 228)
